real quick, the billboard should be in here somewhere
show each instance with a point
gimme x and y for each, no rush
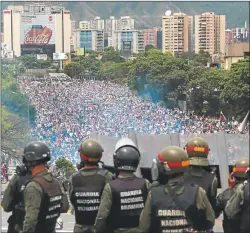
(37, 29)
(60, 56)
(126, 46)
(37, 34)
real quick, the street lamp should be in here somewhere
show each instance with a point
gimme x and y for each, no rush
(28, 110)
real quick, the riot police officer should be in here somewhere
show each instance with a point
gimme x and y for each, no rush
(239, 205)
(86, 186)
(198, 172)
(173, 205)
(235, 179)
(13, 199)
(123, 198)
(44, 197)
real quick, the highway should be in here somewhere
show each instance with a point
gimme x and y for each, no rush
(69, 220)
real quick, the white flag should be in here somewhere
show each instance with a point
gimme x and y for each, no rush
(243, 123)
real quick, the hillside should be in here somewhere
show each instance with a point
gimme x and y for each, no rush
(148, 14)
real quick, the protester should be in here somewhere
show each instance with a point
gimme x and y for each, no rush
(68, 110)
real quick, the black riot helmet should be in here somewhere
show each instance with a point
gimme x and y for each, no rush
(126, 156)
(36, 152)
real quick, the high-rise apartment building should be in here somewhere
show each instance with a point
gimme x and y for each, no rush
(110, 25)
(191, 36)
(126, 23)
(228, 36)
(37, 28)
(73, 37)
(84, 24)
(150, 36)
(240, 34)
(140, 41)
(210, 33)
(90, 39)
(126, 41)
(159, 39)
(175, 33)
(97, 23)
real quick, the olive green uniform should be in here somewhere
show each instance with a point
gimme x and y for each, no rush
(9, 197)
(9, 201)
(234, 205)
(176, 184)
(105, 207)
(199, 172)
(87, 172)
(33, 195)
(220, 206)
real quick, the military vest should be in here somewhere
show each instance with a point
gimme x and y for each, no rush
(166, 215)
(204, 181)
(229, 225)
(87, 191)
(245, 215)
(19, 211)
(50, 206)
(128, 197)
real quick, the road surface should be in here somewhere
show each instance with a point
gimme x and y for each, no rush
(69, 220)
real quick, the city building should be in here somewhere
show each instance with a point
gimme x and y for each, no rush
(159, 39)
(37, 28)
(84, 24)
(110, 25)
(228, 36)
(235, 52)
(97, 23)
(191, 35)
(175, 33)
(140, 41)
(73, 37)
(240, 34)
(2, 41)
(126, 41)
(150, 36)
(210, 33)
(90, 39)
(125, 23)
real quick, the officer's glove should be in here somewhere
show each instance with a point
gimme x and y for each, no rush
(231, 181)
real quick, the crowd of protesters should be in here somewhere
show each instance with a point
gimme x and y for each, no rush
(69, 110)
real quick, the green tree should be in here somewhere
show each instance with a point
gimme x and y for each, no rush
(14, 134)
(31, 62)
(73, 69)
(235, 88)
(65, 166)
(202, 58)
(111, 55)
(148, 47)
(205, 90)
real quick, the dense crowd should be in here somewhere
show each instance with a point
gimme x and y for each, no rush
(67, 111)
